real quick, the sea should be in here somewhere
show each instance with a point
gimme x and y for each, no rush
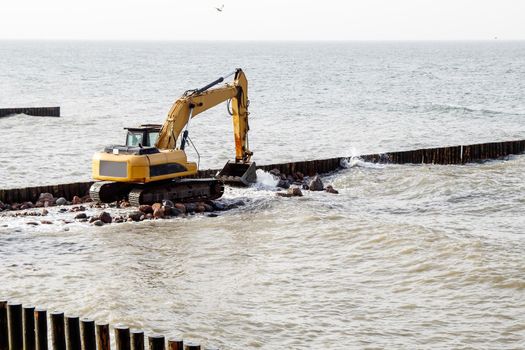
(404, 257)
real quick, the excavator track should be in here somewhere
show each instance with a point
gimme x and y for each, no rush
(185, 190)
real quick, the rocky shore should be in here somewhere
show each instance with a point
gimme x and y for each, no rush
(99, 214)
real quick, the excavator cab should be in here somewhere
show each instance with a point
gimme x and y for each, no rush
(145, 135)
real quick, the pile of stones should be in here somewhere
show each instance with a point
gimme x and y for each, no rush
(296, 182)
(45, 200)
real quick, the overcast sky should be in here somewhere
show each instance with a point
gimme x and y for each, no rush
(263, 20)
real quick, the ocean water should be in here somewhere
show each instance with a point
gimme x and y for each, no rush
(406, 256)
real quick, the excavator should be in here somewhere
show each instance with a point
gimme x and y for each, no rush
(152, 166)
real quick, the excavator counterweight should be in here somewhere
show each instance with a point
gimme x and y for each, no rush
(153, 166)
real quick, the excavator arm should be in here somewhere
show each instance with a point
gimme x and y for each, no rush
(194, 102)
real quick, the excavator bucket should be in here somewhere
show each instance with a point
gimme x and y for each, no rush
(238, 174)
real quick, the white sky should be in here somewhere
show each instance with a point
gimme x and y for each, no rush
(263, 20)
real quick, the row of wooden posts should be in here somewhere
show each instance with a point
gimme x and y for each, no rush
(26, 328)
(35, 111)
(443, 155)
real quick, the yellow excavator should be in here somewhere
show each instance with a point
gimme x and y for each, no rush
(152, 166)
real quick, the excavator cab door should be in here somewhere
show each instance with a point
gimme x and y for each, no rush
(238, 174)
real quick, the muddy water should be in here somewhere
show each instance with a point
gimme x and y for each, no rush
(404, 257)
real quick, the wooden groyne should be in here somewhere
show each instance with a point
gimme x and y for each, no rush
(27, 328)
(34, 111)
(443, 155)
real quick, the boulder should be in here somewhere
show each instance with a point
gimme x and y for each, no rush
(181, 207)
(218, 206)
(295, 192)
(105, 217)
(330, 189)
(81, 216)
(61, 201)
(175, 212)
(275, 172)
(135, 215)
(76, 200)
(156, 206)
(158, 213)
(45, 197)
(167, 203)
(283, 184)
(283, 194)
(190, 207)
(98, 223)
(316, 184)
(146, 209)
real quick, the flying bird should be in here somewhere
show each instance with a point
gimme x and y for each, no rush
(220, 8)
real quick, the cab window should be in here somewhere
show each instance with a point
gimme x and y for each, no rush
(134, 138)
(153, 136)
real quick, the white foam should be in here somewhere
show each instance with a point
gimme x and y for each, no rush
(265, 180)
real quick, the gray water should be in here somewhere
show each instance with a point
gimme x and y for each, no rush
(404, 257)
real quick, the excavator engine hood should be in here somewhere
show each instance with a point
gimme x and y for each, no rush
(238, 174)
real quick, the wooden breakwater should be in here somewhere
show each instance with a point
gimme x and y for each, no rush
(27, 328)
(34, 111)
(442, 155)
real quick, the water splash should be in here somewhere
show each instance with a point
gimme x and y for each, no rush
(265, 180)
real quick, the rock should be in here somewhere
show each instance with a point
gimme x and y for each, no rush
(86, 199)
(283, 184)
(299, 175)
(135, 215)
(62, 210)
(208, 207)
(45, 197)
(283, 194)
(124, 204)
(76, 200)
(92, 219)
(156, 206)
(330, 189)
(212, 215)
(81, 216)
(98, 223)
(275, 172)
(167, 203)
(316, 184)
(148, 216)
(46, 222)
(175, 212)
(190, 207)
(61, 201)
(305, 187)
(158, 213)
(146, 209)
(219, 206)
(200, 208)
(181, 207)
(142, 217)
(105, 217)
(32, 223)
(44, 212)
(295, 192)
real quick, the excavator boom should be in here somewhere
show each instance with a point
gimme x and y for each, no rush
(194, 102)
